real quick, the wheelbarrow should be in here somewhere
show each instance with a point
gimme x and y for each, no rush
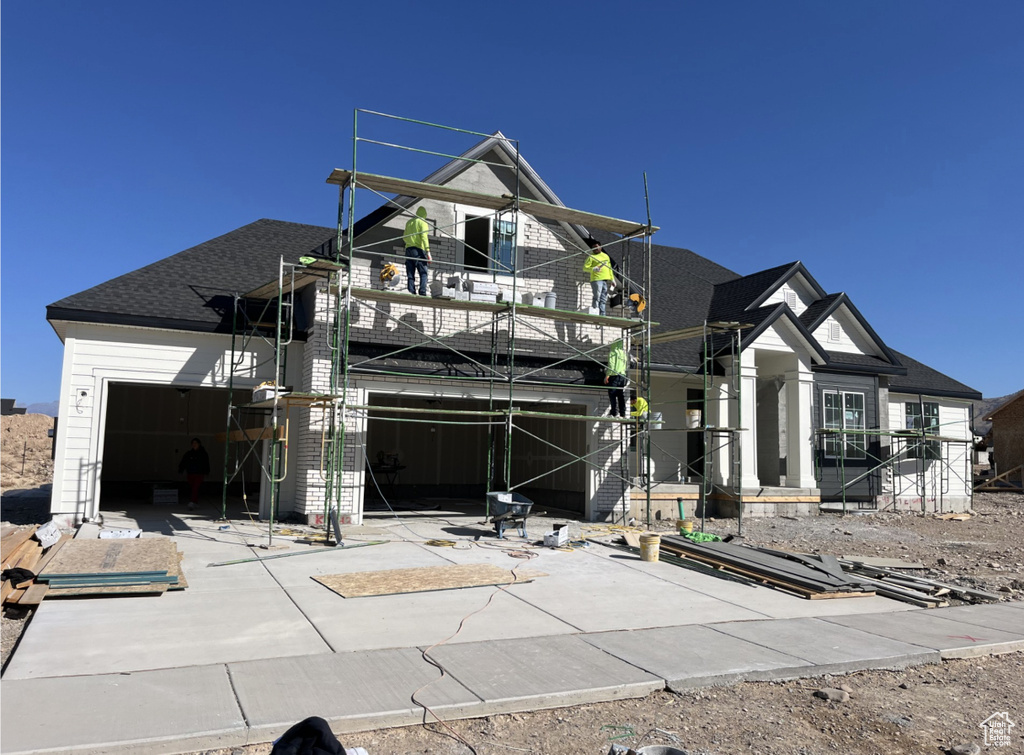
(508, 510)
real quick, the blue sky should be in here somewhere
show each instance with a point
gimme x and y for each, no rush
(878, 142)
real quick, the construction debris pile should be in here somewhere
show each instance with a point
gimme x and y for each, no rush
(815, 576)
(82, 567)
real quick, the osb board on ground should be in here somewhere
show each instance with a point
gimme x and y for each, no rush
(422, 579)
(111, 590)
(96, 557)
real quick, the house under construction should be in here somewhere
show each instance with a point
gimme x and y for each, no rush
(318, 383)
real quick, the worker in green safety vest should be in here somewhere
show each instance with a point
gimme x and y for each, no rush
(615, 378)
(599, 265)
(417, 250)
(639, 407)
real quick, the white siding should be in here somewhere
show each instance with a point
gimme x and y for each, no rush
(794, 287)
(96, 355)
(852, 339)
(931, 484)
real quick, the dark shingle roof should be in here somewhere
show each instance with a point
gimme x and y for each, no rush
(813, 313)
(842, 360)
(193, 289)
(732, 298)
(921, 378)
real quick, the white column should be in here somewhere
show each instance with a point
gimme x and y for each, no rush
(719, 415)
(800, 428)
(748, 420)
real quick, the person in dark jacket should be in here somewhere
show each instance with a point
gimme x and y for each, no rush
(196, 465)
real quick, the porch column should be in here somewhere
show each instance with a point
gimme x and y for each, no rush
(748, 420)
(719, 415)
(800, 428)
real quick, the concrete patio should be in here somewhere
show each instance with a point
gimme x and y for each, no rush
(249, 649)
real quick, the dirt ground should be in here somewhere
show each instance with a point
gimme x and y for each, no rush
(25, 451)
(925, 709)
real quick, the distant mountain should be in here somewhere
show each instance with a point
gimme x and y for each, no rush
(981, 410)
(49, 409)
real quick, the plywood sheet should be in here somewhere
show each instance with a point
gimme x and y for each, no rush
(424, 579)
(99, 557)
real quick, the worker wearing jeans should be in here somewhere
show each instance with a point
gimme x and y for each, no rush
(615, 378)
(417, 251)
(599, 265)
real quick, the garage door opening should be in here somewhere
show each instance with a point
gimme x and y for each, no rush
(148, 430)
(420, 457)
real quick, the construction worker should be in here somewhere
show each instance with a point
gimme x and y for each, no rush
(639, 406)
(196, 465)
(599, 265)
(615, 378)
(417, 250)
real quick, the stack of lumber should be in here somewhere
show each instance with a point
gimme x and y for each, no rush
(910, 588)
(20, 550)
(145, 566)
(811, 577)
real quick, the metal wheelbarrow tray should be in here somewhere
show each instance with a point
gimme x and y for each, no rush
(508, 509)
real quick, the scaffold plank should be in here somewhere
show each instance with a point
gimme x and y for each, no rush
(405, 187)
(528, 310)
(304, 275)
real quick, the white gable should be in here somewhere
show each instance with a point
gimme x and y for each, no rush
(841, 332)
(795, 292)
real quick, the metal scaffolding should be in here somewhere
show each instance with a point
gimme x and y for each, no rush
(916, 447)
(502, 369)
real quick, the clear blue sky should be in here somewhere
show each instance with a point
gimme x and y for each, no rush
(881, 143)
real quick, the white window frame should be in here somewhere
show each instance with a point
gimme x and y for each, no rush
(930, 450)
(855, 445)
(461, 214)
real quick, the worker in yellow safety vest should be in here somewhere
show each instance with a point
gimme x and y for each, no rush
(599, 265)
(615, 377)
(639, 406)
(417, 250)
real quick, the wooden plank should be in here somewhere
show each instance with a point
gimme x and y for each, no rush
(424, 579)
(51, 552)
(100, 557)
(888, 563)
(34, 595)
(18, 557)
(631, 539)
(253, 434)
(5, 590)
(14, 541)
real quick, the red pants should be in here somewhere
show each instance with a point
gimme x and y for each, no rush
(194, 481)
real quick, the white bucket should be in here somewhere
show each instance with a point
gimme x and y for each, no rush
(550, 298)
(693, 418)
(657, 420)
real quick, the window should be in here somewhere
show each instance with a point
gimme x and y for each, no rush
(488, 243)
(844, 411)
(929, 422)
